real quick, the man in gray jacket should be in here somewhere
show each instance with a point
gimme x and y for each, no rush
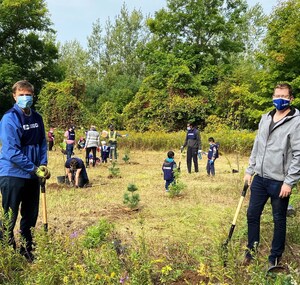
(275, 164)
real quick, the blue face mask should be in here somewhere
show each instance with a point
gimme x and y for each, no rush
(25, 101)
(281, 104)
(188, 128)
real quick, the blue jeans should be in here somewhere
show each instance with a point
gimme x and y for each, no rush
(261, 190)
(210, 168)
(69, 150)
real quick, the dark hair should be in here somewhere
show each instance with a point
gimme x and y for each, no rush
(170, 154)
(285, 86)
(211, 139)
(73, 163)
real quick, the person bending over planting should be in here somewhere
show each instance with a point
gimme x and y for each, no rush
(76, 172)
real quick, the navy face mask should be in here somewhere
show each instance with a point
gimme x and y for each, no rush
(281, 104)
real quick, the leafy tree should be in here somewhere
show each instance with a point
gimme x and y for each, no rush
(74, 60)
(122, 40)
(27, 47)
(60, 104)
(281, 55)
(115, 65)
(96, 51)
(192, 48)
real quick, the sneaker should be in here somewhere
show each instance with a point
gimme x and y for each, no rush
(274, 262)
(290, 211)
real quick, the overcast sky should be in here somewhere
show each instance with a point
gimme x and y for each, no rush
(73, 19)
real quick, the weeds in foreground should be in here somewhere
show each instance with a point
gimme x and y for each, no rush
(91, 257)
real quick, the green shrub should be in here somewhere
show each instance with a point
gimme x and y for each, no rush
(131, 199)
(96, 235)
(177, 186)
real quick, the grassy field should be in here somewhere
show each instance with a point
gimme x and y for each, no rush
(173, 240)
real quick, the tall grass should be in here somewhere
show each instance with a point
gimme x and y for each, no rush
(230, 140)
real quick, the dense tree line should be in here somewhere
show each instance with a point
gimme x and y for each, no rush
(214, 62)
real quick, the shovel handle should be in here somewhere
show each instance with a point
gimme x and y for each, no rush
(44, 204)
(243, 194)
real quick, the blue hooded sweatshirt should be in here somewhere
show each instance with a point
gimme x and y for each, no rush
(24, 144)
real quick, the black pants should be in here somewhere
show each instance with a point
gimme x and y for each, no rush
(51, 143)
(88, 150)
(25, 192)
(192, 153)
(82, 179)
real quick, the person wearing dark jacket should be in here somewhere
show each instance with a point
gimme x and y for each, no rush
(274, 165)
(23, 164)
(193, 143)
(76, 172)
(168, 168)
(211, 157)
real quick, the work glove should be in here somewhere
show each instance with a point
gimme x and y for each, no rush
(211, 162)
(200, 154)
(43, 172)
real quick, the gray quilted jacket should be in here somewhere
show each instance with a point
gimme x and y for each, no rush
(276, 153)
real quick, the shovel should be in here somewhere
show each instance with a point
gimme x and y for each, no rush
(225, 244)
(179, 163)
(44, 206)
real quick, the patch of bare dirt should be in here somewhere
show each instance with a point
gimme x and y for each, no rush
(191, 277)
(116, 212)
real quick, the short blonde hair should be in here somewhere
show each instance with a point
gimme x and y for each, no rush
(23, 85)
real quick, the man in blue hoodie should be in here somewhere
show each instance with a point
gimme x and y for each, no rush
(23, 160)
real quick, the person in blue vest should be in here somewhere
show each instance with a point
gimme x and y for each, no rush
(193, 143)
(70, 141)
(212, 155)
(112, 140)
(76, 172)
(168, 168)
(23, 164)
